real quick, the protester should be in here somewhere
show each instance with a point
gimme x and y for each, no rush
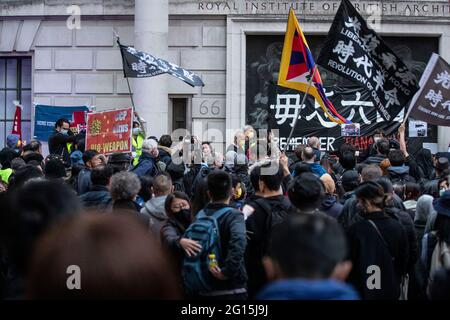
(330, 204)
(376, 240)
(145, 194)
(263, 215)
(155, 207)
(115, 255)
(229, 275)
(147, 160)
(306, 193)
(381, 148)
(98, 196)
(314, 143)
(349, 181)
(60, 139)
(435, 246)
(119, 161)
(316, 269)
(309, 158)
(55, 169)
(164, 145)
(91, 159)
(137, 139)
(179, 217)
(124, 188)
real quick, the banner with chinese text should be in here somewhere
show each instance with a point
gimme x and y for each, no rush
(356, 52)
(109, 131)
(432, 103)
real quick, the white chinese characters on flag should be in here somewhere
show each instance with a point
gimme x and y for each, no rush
(432, 102)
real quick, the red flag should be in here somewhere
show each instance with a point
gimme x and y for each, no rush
(17, 124)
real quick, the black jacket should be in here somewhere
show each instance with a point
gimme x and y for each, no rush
(97, 198)
(408, 224)
(233, 243)
(376, 159)
(165, 155)
(57, 144)
(84, 182)
(258, 234)
(171, 234)
(387, 252)
(400, 174)
(331, 206)
(351, 213)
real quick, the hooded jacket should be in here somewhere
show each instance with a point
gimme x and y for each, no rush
(146, 165)
(155, 209)
(400, 173)
(385, 249)
(302, 289)
(317, 169)
(331, 206)
(165, 154)
(97, 198)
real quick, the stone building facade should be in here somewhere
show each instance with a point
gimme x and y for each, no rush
(64, 65)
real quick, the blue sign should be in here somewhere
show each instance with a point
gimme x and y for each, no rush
(45, 118)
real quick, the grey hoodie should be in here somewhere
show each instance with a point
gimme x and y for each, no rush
(155, 209)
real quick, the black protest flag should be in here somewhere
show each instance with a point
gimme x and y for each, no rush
(138, 64)
(356, 52)
(432, 102)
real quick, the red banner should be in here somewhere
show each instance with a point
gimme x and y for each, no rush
(109, 131)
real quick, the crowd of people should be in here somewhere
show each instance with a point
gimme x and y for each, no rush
(177, 219)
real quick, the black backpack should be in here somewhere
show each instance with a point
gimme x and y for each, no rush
(274, 216)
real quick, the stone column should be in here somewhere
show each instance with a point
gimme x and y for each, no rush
(444, 132)
(151, 28)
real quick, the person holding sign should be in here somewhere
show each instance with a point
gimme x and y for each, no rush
(59, 140)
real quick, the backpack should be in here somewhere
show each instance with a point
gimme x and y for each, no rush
(440, 259)
(195, 270)
(274, 216)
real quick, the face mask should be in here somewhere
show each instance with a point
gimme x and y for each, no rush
(136, 131)
(376, 139)
(64, 131)
(184, 216)
(238, 193)
(441, 192)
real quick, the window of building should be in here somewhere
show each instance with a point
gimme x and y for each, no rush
(15, 84)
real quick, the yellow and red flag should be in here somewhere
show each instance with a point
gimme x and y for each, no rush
(298, 66)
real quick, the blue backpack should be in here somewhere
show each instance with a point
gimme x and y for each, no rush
(195, 270)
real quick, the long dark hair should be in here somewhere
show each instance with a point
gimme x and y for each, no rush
(169, 200)
(442, 227)
(424, 162)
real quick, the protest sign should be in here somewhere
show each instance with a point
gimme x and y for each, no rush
(109, 131)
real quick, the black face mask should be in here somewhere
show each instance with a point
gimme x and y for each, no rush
(184, 216)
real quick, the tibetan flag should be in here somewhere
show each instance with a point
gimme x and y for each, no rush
(17, 124)
(298, 66)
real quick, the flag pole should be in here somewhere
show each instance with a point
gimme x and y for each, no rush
(299, 112)
(128, 81)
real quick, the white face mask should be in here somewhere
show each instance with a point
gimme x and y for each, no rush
(64, 131)
(376, 139)
(136, 131)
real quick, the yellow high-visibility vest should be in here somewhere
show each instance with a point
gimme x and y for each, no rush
(137, 147)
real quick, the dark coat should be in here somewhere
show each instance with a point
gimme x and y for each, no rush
(368, 248)
(258, 234)
(351, 213)
(84, 181)
(97, 198)
(331, 206)
(146, 165)
(376, 159)
(171, 233)
(400, 174)
(57, 144)
(233, 243)
(165, 155)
